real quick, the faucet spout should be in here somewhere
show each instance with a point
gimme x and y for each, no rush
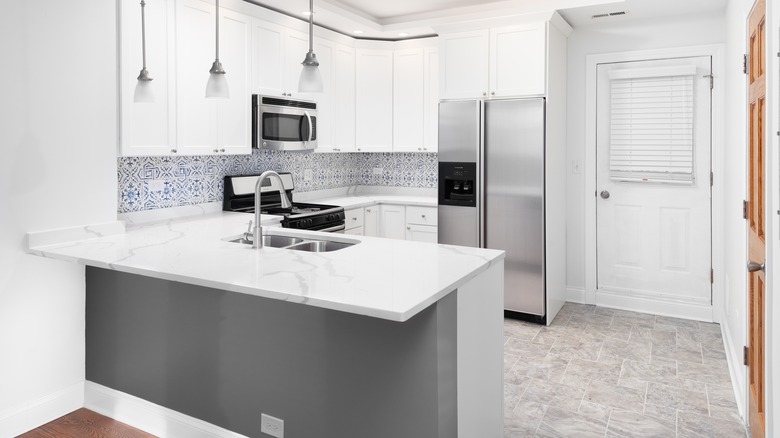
(257, 240)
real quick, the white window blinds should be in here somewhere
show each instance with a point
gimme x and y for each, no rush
(652, 116)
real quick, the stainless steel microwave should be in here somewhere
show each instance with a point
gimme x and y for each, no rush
(283, 124)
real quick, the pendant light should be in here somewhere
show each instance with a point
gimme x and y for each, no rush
(217, 87)
(143, 88)
(311, 78)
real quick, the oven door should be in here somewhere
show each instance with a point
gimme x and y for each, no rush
(281, 128)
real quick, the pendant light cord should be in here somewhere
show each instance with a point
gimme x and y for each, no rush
(216, 58)
(311, 25)
(143, 33)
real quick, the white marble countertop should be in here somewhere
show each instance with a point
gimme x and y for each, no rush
(383, 278)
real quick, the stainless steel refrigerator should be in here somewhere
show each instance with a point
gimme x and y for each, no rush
(491, 190)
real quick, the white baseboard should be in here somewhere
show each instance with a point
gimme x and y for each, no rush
(148, 416)
(736, 369)
(25, 417)
(655, 306)
(575, 295)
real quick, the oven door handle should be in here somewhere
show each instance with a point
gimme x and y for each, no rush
(341, 227)
(308, 118)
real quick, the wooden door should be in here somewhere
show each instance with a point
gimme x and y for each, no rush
(756, 215)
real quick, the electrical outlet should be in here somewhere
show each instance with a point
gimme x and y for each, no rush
(308, 175)
(378, 170)
(156, 185)
(272, 426)
(576, 167)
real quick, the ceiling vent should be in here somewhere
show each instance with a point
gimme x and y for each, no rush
(608, 14)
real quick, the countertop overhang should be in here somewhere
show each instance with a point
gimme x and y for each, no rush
(383, 278)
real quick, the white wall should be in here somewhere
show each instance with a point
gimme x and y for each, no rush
(660, 33)
(58, 169)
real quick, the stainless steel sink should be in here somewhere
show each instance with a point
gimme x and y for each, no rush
(296, 243)
(320, 246)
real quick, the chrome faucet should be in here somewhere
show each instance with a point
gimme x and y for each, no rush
(257, 240)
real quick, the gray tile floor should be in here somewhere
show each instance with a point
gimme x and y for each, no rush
(598, 372)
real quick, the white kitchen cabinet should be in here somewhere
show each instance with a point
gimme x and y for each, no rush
(206, 126)
(517, 60)
(431, 102)
(392, 222)
(371, 221)
(497, 62)
(422, 233)
(353, 221)
(344, 101)
(336, 104)
(374, 100)
(146, 128)
(267, 57)
(463, 59)
(422, 224)
(408, 100)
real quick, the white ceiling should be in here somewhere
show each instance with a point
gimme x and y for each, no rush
(387, 19)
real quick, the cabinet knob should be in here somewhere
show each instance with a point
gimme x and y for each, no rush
(492, 93)
(368, 210)
(419, 149)
(423, 216)
(216, 151)
(408, 228)
(484, 94)
(222, 150)
(359, 149)
(173, 151)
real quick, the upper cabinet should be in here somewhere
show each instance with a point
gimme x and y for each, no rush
(415, 99)
(374, 100)
(344, 99)
(180, 48)
(497, 62)
(146, 128)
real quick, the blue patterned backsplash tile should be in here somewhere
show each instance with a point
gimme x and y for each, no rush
(147, 183)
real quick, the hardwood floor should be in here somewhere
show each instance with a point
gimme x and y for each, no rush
(84, 423)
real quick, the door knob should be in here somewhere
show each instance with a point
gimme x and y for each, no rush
(753, 267)
(604, 194)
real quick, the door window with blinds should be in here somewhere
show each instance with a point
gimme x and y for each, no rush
(652, 125)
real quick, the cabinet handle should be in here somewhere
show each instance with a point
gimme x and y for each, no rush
(423, 216)
(354, 218)
(173, 151)
(216, 151)
(492, 93)
(222, 150)
(419, 149)
(484, 94)
(359, 149)
(368, 210)
(409, 228)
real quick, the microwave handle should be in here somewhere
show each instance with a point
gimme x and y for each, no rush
(308, 118)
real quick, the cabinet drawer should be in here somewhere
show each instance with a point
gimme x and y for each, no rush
(422, 215)
(354, 218)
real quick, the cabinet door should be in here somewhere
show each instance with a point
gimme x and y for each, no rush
(146, 127)
(296, 45)
(196, 116)
(344, 99)
(464, 64)
(408, 100)
(354, 218)
(234, 114)
(371, 221)
(393, 221)
(357, 231)
(374, 100)
(517, 61)
(268, 57)
(422, 233)
(431, 106)
(422, 215)
(325, 100)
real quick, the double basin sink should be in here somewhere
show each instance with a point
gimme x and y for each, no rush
(279, 239)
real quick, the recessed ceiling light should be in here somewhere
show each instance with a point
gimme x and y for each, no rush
(403, 34)
(357, 32)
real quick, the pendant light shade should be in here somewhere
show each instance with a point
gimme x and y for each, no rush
(311, 78)
(143, 88)
(217, 86)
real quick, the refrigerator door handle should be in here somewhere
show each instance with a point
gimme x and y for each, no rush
(481, 176)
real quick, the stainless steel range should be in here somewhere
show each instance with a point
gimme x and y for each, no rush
(239, 196)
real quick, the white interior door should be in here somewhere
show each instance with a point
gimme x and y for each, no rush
(653, 180)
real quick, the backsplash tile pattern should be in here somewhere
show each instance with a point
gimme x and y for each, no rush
(147, 183)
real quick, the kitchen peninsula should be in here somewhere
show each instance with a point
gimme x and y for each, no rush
(385, 338)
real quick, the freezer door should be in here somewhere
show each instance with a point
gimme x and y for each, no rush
(514, 198)
(459, 136)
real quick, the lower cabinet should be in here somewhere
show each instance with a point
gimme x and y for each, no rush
(394, 221)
